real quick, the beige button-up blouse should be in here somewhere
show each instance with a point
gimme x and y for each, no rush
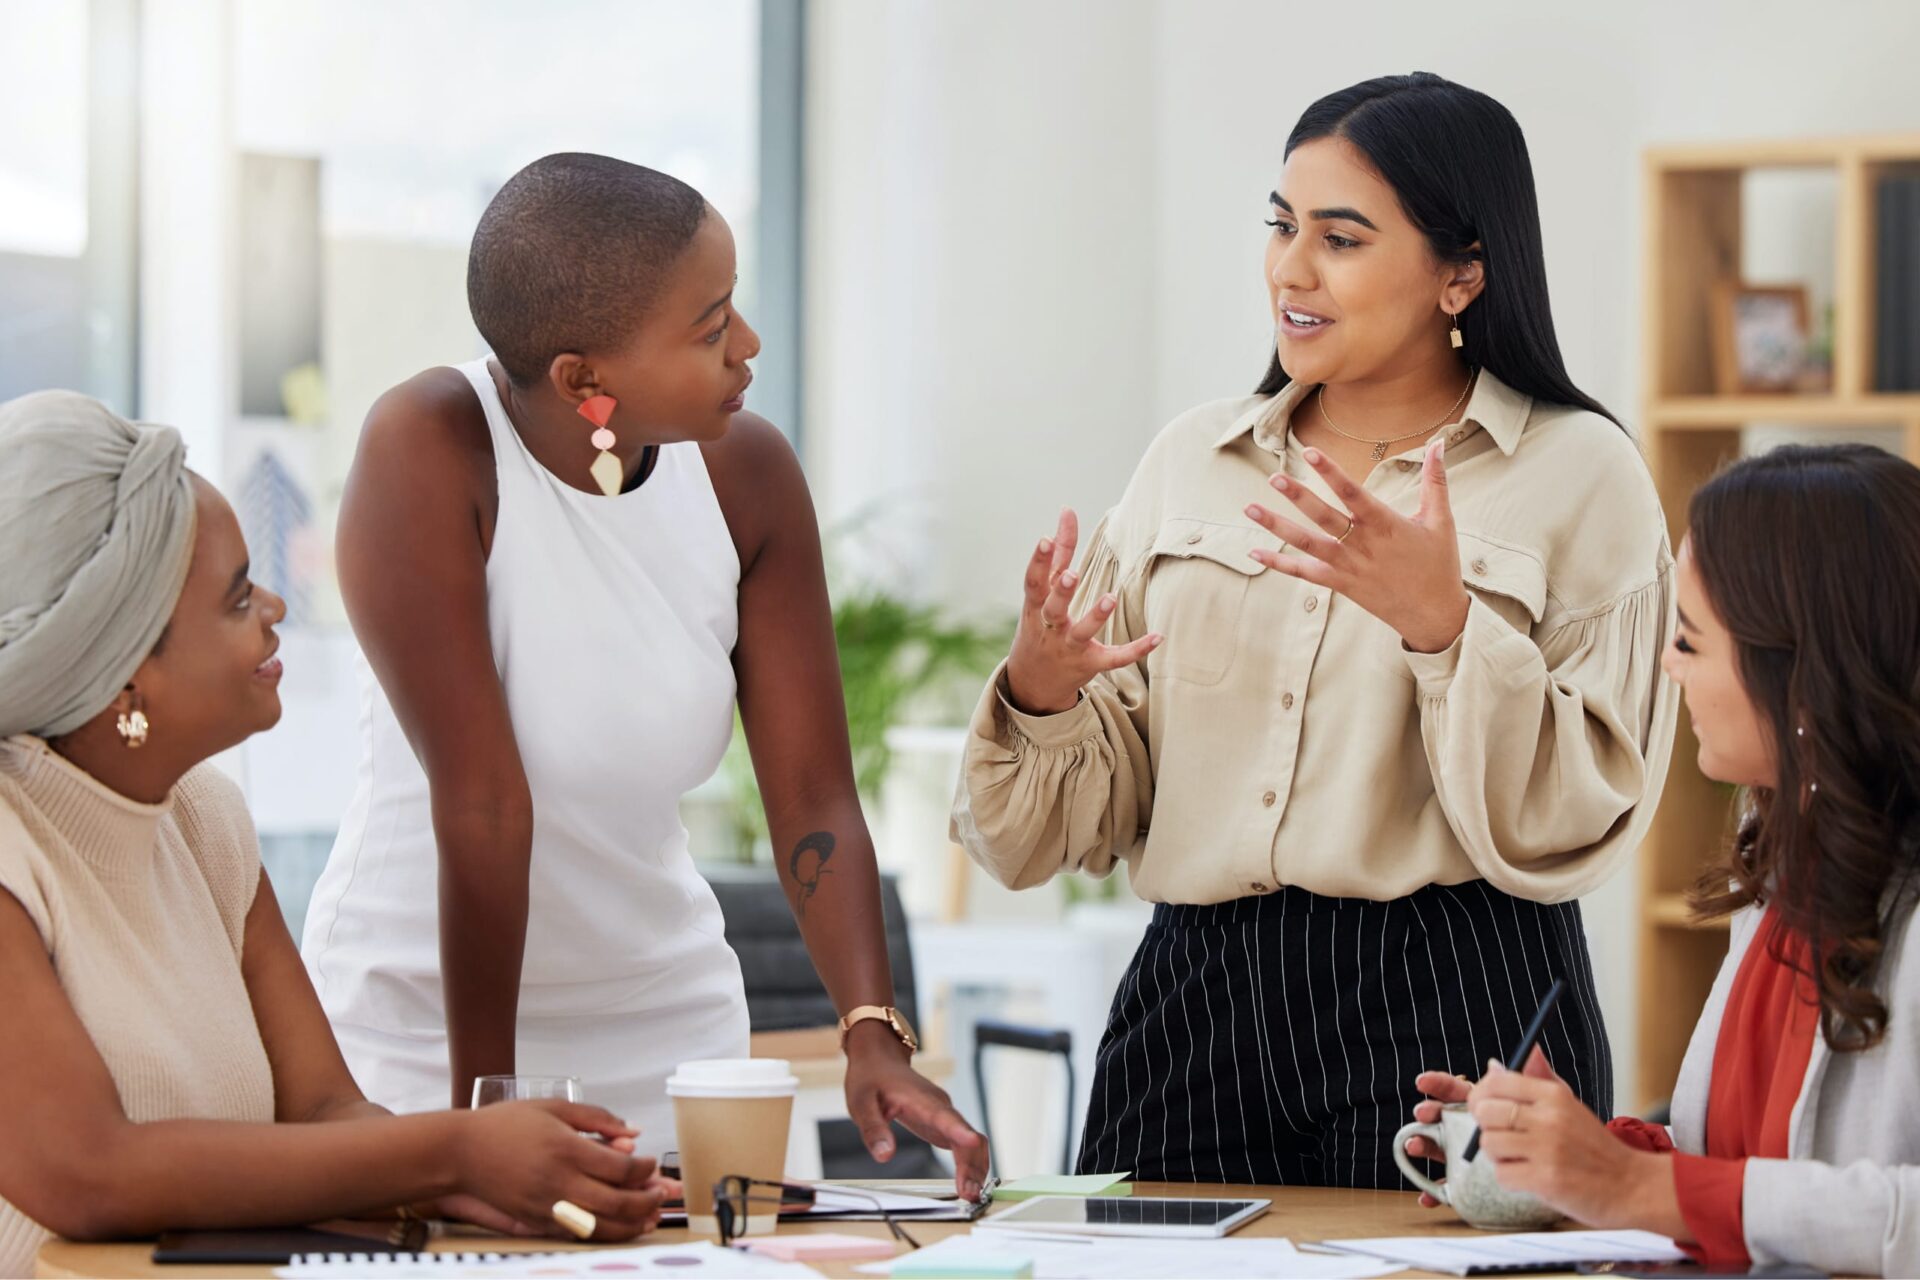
(1282, 735)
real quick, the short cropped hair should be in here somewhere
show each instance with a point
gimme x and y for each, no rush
(571, 253)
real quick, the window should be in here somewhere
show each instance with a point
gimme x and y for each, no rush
(368, 137)
(66, 200)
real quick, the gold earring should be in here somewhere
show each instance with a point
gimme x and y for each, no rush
(1454, 336)
(133, 728)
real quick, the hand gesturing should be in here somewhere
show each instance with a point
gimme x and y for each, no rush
(1055, 654)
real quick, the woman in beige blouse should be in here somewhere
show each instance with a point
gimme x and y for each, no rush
(1360, 678)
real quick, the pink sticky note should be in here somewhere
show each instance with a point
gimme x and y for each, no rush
(799, 1248)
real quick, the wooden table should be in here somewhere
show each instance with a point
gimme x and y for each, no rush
(1301, 1214)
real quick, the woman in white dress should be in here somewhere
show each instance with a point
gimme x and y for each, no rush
(564, 562)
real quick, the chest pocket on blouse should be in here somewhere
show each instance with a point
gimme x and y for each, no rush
(1196, 589)
(1513, 582)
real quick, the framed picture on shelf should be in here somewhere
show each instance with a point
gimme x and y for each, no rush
(1761, 336)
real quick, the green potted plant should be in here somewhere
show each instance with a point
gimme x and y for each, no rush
(898, 660)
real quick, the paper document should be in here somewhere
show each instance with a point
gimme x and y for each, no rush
(1523, 1251)
(851, 1206)
(1085, 1184)
(1057, 1259)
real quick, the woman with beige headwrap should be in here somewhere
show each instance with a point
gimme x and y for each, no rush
(166, 1061)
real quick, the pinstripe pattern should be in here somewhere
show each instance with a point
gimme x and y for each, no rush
(1194, 1082)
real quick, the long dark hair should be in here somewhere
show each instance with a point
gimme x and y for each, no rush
(1810, 557)
(1458, 162)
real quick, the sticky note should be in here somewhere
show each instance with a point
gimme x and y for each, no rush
(975, 1266)
(819, 1248)
(1085, 1184)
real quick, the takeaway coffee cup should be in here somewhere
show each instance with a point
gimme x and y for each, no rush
(1471, 1189)
(732, 1116)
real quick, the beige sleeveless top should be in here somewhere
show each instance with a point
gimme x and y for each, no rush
(142, 910)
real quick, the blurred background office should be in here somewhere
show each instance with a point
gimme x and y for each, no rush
(992, 246)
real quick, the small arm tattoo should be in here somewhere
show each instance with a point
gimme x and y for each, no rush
(806, 869)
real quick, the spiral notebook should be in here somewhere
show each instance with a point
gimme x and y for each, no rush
(681, 1261)
(1510, 1254)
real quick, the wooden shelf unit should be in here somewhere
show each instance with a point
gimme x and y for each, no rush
(1693, 226)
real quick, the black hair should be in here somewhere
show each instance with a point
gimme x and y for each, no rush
(1458, 162)
(569, 255)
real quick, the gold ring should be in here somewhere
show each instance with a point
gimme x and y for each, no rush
(1345, 534)
(1051, 626)
(574, 1218)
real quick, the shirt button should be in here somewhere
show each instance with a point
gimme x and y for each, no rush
(1313, 602)
(1480, 567)
(1286, 702)
(1193, 538)
(1269, 798)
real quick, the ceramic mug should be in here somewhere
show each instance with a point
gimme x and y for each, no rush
(1471, 1189)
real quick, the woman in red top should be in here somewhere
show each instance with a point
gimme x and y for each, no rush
(1796, 1133)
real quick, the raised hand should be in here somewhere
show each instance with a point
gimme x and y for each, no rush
(1055, 654)
(1404, 571)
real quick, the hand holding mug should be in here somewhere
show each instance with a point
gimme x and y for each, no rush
(1055, 654)
(1547, 1144)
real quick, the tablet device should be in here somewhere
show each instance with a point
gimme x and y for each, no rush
(1127, 1216)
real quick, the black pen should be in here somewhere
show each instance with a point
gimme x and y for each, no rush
(1519, 1058)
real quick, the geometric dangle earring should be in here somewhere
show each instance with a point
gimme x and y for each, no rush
(133, 727)
(606, 469)
(1454, 336)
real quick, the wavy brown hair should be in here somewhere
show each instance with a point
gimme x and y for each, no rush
(1811, 557)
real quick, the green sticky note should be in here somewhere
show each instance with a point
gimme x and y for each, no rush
(1086, 1184)
(975, 1266)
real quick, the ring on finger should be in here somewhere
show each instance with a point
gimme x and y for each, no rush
(1049, 624)
(1513, 1114)
(1345, 533)
(575, 1219)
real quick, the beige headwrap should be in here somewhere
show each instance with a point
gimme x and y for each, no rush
(96, 531)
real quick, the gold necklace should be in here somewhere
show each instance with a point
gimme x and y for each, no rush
(1380, 446)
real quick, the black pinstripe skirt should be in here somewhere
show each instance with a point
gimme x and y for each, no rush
(1275, 1039)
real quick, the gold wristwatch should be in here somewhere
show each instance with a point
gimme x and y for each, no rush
(895, 1020)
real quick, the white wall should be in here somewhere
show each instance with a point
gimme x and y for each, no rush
(1034, 230)
(978, 287)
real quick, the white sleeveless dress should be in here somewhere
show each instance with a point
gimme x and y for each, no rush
(612, 622)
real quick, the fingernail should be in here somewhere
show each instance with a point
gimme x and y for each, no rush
(1107, 603)
(1046, 545)
(1313, 456)
(1493, 1065)
(1153, 642)
(883, 1148)
(1069, 578)
(1282, 484)
(1254, 510)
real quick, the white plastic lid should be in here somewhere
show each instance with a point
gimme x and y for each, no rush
(733, 1078)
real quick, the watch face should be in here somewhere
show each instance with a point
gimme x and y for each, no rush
(901, 1029)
